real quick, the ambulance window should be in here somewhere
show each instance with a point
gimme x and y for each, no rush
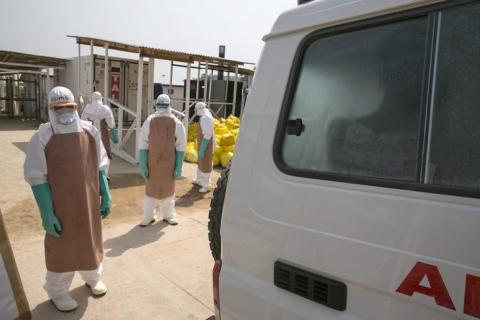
(359, 97)
(454, 149)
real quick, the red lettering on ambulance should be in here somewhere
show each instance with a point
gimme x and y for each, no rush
(472, 296)
(437, 289)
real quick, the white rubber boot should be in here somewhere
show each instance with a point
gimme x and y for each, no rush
(65, 303)
(147, 221)
(168, 210)
(97, 287)
(171, 221)
(203, 190)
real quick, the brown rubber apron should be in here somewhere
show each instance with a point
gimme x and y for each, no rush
(205, 165)
(104, 130)
(72, 165)
(161, 158)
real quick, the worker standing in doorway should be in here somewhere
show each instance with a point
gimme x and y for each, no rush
(206, 145)
(162, 150)
(65, 166)
(102, 118)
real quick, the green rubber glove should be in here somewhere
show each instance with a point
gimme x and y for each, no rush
(106, 203)
(50, 222)
(179, 156)
(203, 148)
(144, 163)
(114, 135)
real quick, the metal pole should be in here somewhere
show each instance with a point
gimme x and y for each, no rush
(210, 86)
(171, 76)
(92, 67)
(198, 83)
(226, 86)
(235, 90)
(205, 83)
(47, 90)
(150, 97)
(106, 91)
(187, 97)
(41, 96)
(48, 81)
(138, 118)
(226, 93)
(79, 71)
(38, 96)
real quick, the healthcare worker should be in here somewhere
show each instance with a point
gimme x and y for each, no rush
(162, 150)
(65, 166)
(102, 118)
(206, 145)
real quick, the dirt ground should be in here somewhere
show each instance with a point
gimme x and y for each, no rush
(160, 272)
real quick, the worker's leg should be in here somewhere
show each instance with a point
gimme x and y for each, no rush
(149, 209)
(196, 181)
(92, 275)
(58, 283)
(57, 286)
(168, 210)
(204, 180)
(92, 280)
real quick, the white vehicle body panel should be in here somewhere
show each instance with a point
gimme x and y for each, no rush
(364, 236)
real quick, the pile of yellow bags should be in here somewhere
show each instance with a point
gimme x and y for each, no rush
(226, 132)
(191, 154)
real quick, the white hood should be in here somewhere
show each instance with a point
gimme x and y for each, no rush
(62, 129)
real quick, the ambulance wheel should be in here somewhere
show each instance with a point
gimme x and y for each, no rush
(215, 214)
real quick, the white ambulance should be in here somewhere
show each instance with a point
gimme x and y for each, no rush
(354, 192)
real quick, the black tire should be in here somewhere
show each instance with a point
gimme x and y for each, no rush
(215, 214)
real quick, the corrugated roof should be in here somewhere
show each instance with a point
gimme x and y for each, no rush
(158, 53)
(28, 62)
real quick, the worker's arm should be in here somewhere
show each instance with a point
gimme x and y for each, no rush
(106, 202)
(206, 123)
(180, 145)
(35, 173)
(103, 161)
(111, 124)
(143, 148)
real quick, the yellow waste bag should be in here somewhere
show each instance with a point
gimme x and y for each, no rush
(218, 151)
(192, 132)
(218, 139)
(225, 158)
(191, 155)
(228, 148)
(221, 130)
(215, 160)
(228, 140)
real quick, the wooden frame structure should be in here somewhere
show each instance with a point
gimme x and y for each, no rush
(203, 62)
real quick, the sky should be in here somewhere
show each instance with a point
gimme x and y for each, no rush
(197, 26)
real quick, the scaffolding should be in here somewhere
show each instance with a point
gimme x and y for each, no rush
(189, 61)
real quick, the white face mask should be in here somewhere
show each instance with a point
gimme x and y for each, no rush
(65, 116)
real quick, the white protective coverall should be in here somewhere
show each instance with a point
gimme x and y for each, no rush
(205, 122)
(35, 173)
(96, 112)
(166, 205)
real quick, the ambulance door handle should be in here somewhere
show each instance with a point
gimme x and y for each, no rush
(295, 127)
